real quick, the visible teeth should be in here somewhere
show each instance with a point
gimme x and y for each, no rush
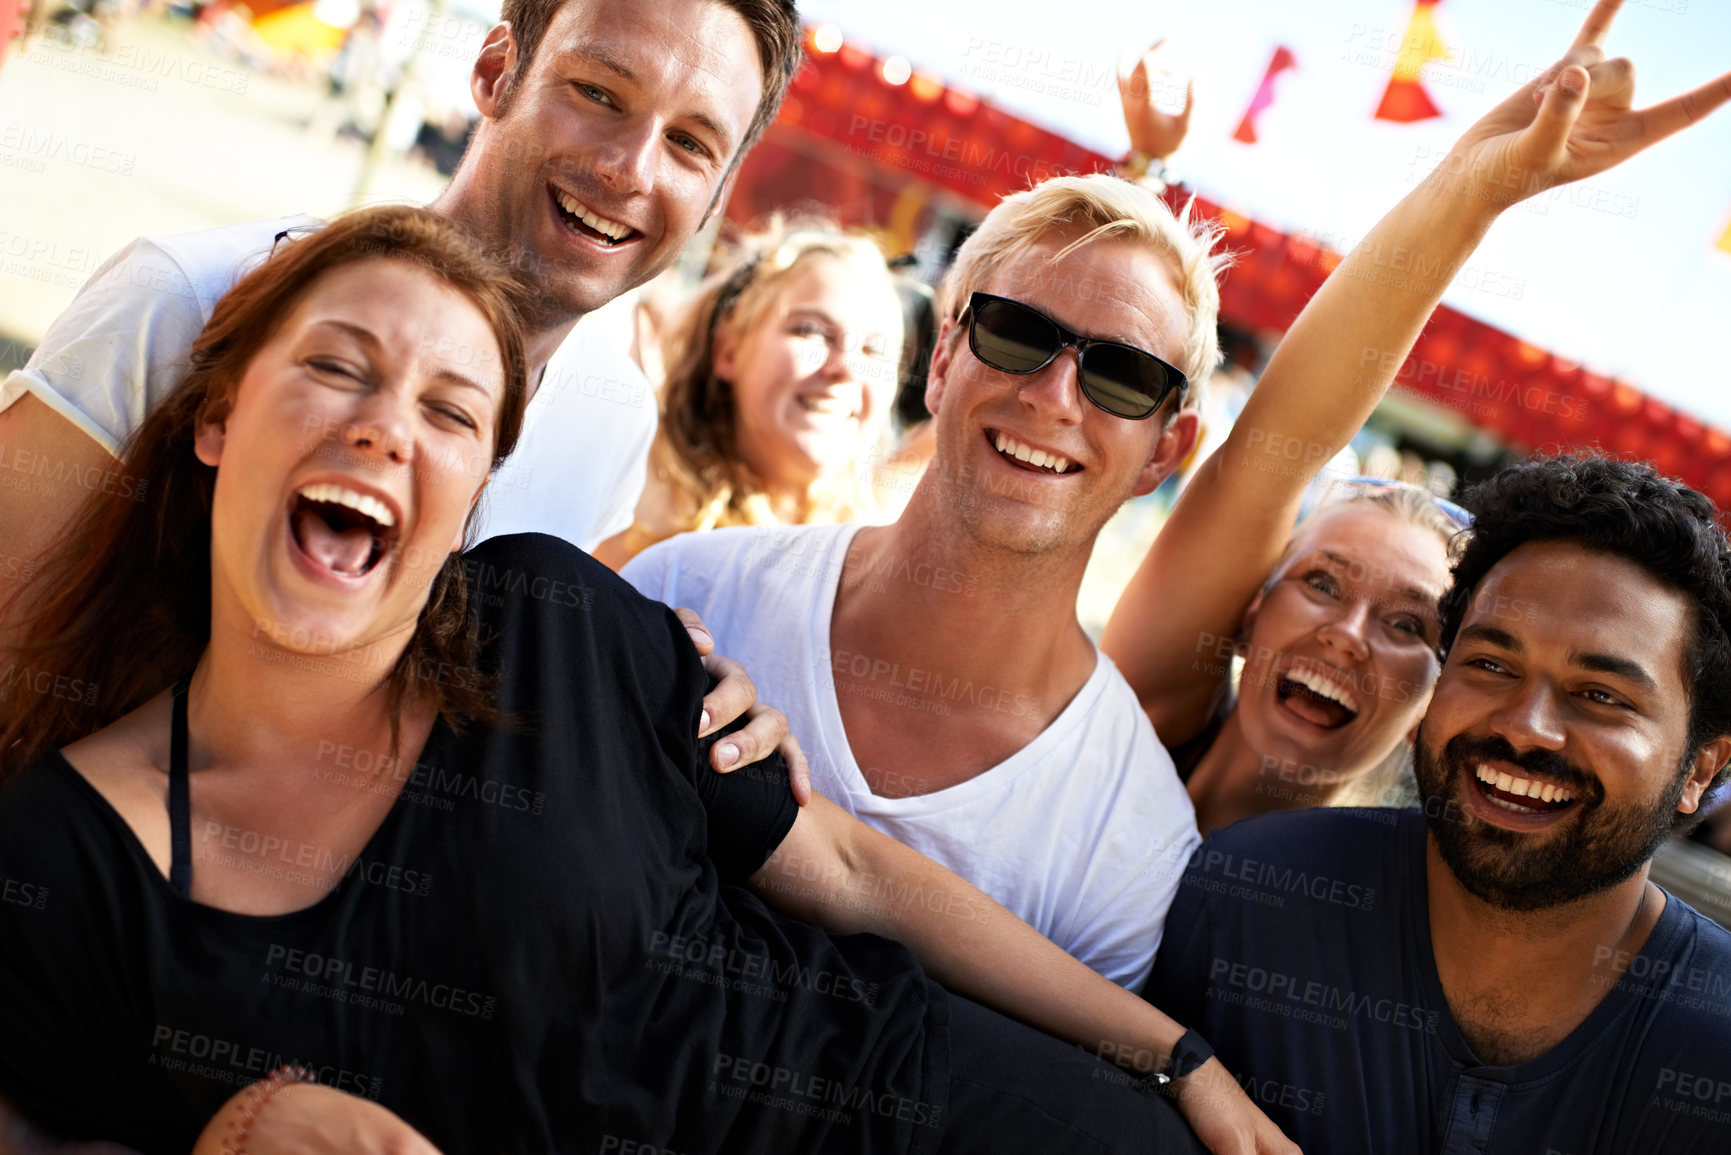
(613, 230)
(1322, 685)
(1042, 458)
(1530, 787)
(827, 406)
(364, 504)
(602, 225)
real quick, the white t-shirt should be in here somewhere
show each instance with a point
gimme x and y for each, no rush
(1083, 833)
(122, 345)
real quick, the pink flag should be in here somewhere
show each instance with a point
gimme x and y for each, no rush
(1283, 59)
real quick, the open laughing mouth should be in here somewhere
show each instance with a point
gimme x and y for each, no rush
(341, 531)
(1029, 459)
(586, 222)
(1521, 796)
(1319, 694)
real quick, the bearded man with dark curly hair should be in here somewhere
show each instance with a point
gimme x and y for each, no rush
(1494, 971)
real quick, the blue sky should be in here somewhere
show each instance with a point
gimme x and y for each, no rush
(1621, 273)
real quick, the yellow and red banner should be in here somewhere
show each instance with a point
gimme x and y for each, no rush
(1405, 99)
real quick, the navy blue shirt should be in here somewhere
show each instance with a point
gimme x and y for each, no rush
(1299, 946)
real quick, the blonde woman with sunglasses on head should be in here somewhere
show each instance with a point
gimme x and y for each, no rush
(1339, 646)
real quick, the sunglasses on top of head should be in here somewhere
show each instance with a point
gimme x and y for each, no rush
(1121, 379)
(1460, 517)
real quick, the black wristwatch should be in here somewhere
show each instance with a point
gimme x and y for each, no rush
(1190, 1053)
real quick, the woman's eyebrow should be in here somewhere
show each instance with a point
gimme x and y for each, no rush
(1414, 593)
(456, 378)
(370, 339)
(359, 332)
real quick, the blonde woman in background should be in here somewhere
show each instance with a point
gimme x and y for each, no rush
(781, 373)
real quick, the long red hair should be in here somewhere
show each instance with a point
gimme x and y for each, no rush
(126, 607)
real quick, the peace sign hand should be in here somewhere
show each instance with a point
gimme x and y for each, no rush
(1574, 120)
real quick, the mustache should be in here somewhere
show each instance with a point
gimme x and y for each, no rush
(1464, 749)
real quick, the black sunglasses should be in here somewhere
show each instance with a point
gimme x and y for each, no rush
(1121, 379)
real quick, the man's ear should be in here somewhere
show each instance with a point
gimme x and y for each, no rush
(498, 59)
(943, 356)
(1709, 760)
(1175, 444)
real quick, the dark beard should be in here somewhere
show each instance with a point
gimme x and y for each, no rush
(1590, 851)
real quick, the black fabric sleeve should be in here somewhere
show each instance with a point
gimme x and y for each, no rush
(556, 597)
(750, 809)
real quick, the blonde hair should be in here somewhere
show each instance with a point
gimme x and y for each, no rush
(1101, 205)
(696, 452)
(1398, 499)
(1404, 500)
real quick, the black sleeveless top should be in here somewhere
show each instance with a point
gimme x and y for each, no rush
(543, 947)
(1186, 756)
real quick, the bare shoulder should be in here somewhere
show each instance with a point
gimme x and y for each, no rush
(127, 763)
